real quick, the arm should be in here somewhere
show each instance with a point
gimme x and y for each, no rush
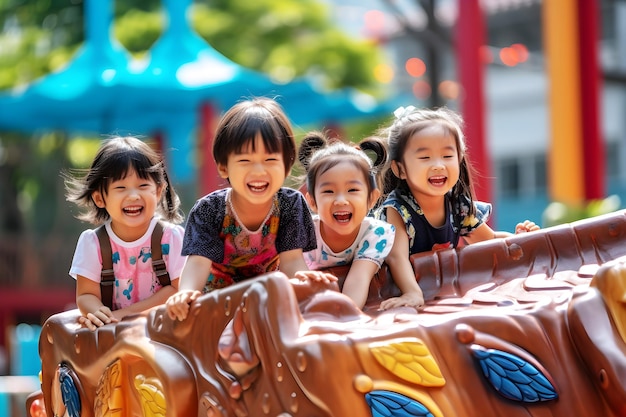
(291, 262)
(193, 278)
(89, 302)
(85, 268)
(400, 267)
(357, 283)
(293, 265)
(484, 232)
(96, 314)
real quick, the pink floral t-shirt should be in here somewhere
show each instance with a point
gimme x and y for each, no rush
(132, 262)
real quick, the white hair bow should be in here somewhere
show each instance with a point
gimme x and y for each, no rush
(402, 112)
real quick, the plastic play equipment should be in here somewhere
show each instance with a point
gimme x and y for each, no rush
(531, 325)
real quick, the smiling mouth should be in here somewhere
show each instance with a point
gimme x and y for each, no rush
(258, 187)
(132, 210)
(437, 180)
(343, 216)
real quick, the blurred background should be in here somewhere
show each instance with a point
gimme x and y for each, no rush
(541, 85)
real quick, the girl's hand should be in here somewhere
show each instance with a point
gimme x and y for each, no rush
(98, 318)
(317, 276)
(411, 299)
(526, 226)
(177, 306)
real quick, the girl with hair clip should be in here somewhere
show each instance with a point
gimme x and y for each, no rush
(256, 225)
(341, 190)
(432, 201)
(127, 192)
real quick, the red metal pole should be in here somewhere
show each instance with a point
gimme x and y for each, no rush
(470, 38)
(209, 178)
(593, 145)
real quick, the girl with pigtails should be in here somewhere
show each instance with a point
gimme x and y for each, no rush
(132, 261)
(341, 191)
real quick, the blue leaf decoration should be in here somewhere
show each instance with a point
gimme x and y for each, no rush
(69, 393)
(513, 377)
(392, 404)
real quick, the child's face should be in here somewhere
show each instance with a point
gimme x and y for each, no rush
(131, 203)
(255, 176)
(341, 201)
(430, 163)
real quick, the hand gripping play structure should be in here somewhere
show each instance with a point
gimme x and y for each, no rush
(532, 325)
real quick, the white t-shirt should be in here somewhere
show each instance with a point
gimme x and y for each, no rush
(135, 279)
(373, 243)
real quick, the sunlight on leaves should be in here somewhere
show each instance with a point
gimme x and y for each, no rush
(81, 151)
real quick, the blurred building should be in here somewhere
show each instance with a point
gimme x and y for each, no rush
(516, 87)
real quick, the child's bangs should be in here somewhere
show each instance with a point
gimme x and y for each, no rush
(271, 137)
(131, 160)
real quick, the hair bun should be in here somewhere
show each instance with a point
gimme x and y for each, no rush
(377, 146)
(312, 142)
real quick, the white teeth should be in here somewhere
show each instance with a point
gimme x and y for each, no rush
(342, 216)
(258, 186)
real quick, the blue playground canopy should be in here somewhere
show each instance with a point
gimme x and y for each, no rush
(103, 90)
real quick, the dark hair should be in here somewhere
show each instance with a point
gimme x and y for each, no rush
(241, 124)
(318, 154)
(115, 158)
(410, 121)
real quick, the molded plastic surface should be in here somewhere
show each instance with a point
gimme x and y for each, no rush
(532, 325)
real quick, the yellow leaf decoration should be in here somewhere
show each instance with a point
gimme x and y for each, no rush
(109, 394)
(151, 396)
(410, 360)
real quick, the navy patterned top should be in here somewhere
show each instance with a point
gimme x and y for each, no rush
(423, 236)
(214, 231)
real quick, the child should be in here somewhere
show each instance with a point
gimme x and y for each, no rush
(123, 190)
(432, 204)
(254, 226)
(341, 189)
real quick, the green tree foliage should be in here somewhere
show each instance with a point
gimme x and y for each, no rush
(558, 213)
(37, 37)
(282, 38)
(286, 39)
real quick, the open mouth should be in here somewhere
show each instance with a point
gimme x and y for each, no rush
(132, 211)
(438, 181)
(258, 187)
(342, 216)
